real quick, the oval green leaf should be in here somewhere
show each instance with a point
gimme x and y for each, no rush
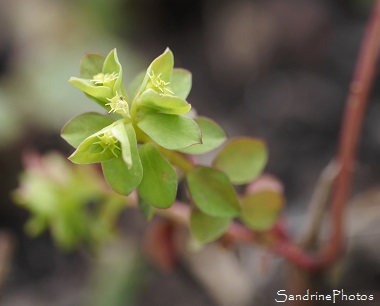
(116, 172)
(212, 137)
(172, 132)
(242, 159)
(159, 183)
(181, 82)
(206, 228)
(83, 126)
(260, 210)
(212, 192)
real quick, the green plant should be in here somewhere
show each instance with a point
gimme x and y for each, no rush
(145, 145)
(145, 141)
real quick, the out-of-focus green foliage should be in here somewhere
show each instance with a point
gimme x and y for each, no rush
(117, 276)
(212, 192)
(69, 200)
(206, 228)
(242, 159)
(260, 210)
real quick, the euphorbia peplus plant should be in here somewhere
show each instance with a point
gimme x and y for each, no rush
(145, 140)
(145, 143)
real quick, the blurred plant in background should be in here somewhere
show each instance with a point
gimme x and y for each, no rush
(70, 201)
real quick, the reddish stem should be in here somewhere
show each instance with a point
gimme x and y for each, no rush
(180, 213)
(350, 133)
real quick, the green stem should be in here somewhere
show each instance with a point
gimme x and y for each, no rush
(177, 159)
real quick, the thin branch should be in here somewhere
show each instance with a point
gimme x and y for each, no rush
(350, 132)
(317, 206)
(180, 213)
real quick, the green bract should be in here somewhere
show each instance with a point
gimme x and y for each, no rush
(167, 104)
(170, 131)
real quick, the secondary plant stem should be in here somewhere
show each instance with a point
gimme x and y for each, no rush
(350, 132)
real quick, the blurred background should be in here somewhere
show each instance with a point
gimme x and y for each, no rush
(277, 70)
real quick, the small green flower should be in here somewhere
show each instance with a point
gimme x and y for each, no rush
(100, 77)
(119, 105)
(156, 92)
(105, 79)
(108, 142)
(159, 84)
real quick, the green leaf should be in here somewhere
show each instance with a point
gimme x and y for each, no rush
(181, 82)
(91, 64)
(166, 104)
(116, 172)
(121, 134)
(83, 126)
(112, 65)
(212, 192)
(89, 152)
(206, 228)
(242, 159)
(101, 93)
(162, 66)
(172, 132)
(260, 210)
(212, 137)
(159, 184)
